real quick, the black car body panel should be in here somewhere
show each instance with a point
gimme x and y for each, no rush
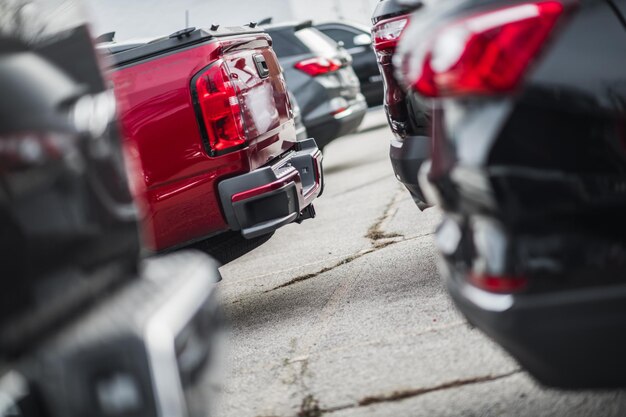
(386, 9)
(66, 212)
(80, 316)
(353, 37)
(534, 186)
(331, 103)
(408, 117)
(301, 133)
(407, 157)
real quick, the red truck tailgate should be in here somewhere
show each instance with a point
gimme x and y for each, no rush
(154, 85)
(262, 92)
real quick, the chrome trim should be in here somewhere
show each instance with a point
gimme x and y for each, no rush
(430, 193)
(163, 327)
(485, 300)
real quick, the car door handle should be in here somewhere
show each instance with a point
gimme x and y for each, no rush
(261, 65)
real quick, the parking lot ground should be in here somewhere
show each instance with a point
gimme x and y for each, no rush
(345, 315)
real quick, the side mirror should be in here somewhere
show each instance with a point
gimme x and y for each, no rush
(362, 40)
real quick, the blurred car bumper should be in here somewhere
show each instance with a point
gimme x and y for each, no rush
(146, 349)
(555, 300)
(407, 156)
(343, 122)
(571, 339)
(552, 244)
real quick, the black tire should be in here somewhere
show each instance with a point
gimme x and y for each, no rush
(229, 246)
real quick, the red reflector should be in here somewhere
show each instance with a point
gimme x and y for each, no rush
(293, 176)
(318, 66)
(498, 284)
(482, 54)
(386, 33)
(220, 108)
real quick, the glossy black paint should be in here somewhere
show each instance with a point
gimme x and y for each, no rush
(69, 214)
(535, 183)
(386, 9)
(363, 58)
(78, 314)
(408, 118)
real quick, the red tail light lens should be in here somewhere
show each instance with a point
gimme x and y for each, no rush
(498, 284)
(483, 54)
(318, 66)
(218, 105)
(387, 33)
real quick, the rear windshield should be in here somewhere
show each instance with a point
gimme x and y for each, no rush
(305, 41)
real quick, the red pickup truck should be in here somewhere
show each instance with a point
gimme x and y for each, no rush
(209, 114)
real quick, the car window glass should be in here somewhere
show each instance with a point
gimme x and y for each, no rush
(345, 36)
(317, 42)
(286, 44)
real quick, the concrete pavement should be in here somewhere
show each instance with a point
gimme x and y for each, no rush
(345, 315)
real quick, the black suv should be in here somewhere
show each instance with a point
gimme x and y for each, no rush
(358, 42)
(529, 165)
(320, 75)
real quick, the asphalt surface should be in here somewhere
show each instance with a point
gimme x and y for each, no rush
(346, 315)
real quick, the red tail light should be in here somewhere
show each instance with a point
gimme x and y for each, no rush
(387, 33)
(483, 54)
(498, 284)
(318, 66)
(218, 105)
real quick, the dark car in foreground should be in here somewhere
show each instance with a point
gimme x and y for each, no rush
(320, 75)
(86, 328)
(357, 40)
(529, 165)
(408, 118)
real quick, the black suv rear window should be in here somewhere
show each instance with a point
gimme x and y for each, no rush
(286, 44)
(305, 41)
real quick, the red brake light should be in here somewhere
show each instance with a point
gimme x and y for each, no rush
(498, 284)
(219, 108)
(387, 33)
(318, 66)
(483, 54)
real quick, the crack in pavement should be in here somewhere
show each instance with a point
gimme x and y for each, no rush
(375, 234)
(376, 231)
(377, 246)
(287, 270)
(400, 395)
(321, 271)
(378, 239)
(296, 367)
(310, 407)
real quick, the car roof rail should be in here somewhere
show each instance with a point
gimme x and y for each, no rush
(183, 33)
(105, 37)
(303, 25)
